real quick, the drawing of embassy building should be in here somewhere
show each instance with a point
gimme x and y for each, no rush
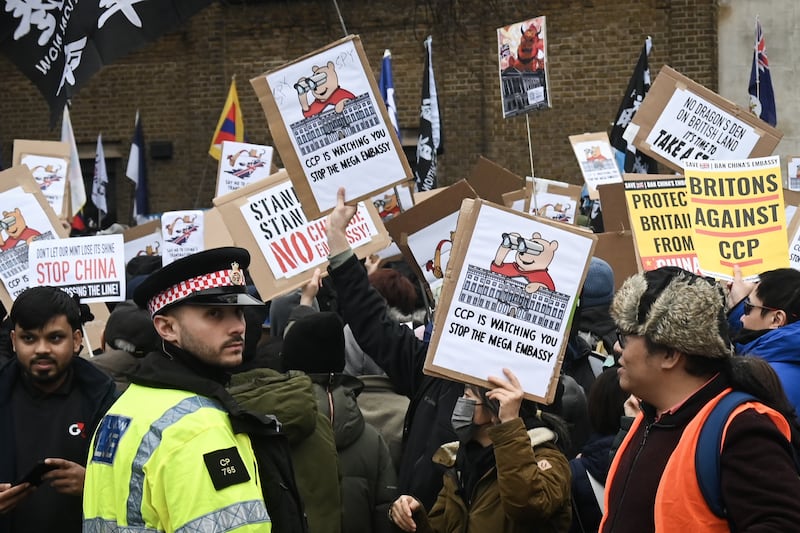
(502, 294)
(318, 131)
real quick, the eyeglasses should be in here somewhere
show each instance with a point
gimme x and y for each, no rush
(748, 306)
(622, 338)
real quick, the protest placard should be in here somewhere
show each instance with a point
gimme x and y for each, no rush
(93, 268)
(794, 241)
(522, 58)
(26, 216)
(424, 234)
(48, 161)
(144, 239)
(394, 200)
(596, 160)
(242, 164)
(510, 291)
(554, 200)
(793, 173)
(680, 120)
(330, 128)
(661, 221)
(285, 247)
(182, 233)
(517, 200)
(490, 180)
(617, 249)
(737, 215)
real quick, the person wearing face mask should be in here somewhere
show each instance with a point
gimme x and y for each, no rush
(506, 473)
(765, 320)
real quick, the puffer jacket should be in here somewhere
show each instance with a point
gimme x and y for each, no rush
(368, 475)
(527, 491)
(290, 398)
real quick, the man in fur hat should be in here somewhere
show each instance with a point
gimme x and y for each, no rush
(676, 357)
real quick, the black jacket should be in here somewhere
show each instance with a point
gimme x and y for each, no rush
(402, 356)
(96, 388)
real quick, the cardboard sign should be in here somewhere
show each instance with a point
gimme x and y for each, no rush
(424, 234)
(144, 239)
(661, 221)
(242, 164)
(596, 159)
(554, 200)
(330, 127)
(793, 173)
(517, 200)
(91, 267)
(738, 216)
(522, 57)
(794, 241)
(183, 233)
(285, 247)
(48, 161)
(491, 181)
(394, 200)
(510, 290)
(26, 216)
(680, 120)
(615, 210)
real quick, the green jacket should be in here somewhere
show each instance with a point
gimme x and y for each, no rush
(528, 490)
(290, 398)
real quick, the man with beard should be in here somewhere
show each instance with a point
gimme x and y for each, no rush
(176, 452)
(765, 317)
(51, 400)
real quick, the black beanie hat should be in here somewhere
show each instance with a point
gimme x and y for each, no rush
(314, 344)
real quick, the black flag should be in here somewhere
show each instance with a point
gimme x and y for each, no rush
(429, 144)
(60, 45)
(634, 161)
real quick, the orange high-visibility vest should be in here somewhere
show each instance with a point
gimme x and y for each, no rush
(680, 505)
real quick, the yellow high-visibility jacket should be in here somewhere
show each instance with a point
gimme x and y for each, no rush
(168, 460)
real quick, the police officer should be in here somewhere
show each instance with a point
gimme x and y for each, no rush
(170, 454)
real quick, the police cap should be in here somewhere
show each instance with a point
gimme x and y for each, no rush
(211, 277)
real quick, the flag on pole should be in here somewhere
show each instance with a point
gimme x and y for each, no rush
(100, 180)
(386, 84)
(74, 174)
(137, 170)
(230, 126)
(762, 97)
(430, 142)
(628, 158)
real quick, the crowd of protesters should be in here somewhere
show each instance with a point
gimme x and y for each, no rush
(207, 409)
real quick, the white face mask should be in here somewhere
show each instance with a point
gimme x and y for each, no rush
(461, 419)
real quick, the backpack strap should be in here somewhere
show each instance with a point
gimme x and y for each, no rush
(709, 449)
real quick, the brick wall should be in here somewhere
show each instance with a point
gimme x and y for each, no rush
(179, 83)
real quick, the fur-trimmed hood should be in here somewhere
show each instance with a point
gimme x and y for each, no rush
(688, 314)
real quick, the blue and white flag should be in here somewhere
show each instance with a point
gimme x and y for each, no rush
(100, 181)
(137, 171)
(386, 84)
(762, 97)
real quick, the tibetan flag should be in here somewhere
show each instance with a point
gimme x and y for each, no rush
(762, 97)
(74, 174)
(100, 181)
(137, 170)
(230, 126)
(430, 142)
(628, 158)
(386, 84)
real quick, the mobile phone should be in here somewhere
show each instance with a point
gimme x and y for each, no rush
(34, 475)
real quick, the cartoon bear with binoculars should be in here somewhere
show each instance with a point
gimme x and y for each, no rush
(324, 86)
(533, 256)
(13, 223)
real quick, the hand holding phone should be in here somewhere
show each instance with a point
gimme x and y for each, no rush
(34, 475)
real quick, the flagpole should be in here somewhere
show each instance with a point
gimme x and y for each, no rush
(341, 20)
(755, 64)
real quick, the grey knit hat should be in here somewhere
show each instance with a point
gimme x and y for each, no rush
(675, 308)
